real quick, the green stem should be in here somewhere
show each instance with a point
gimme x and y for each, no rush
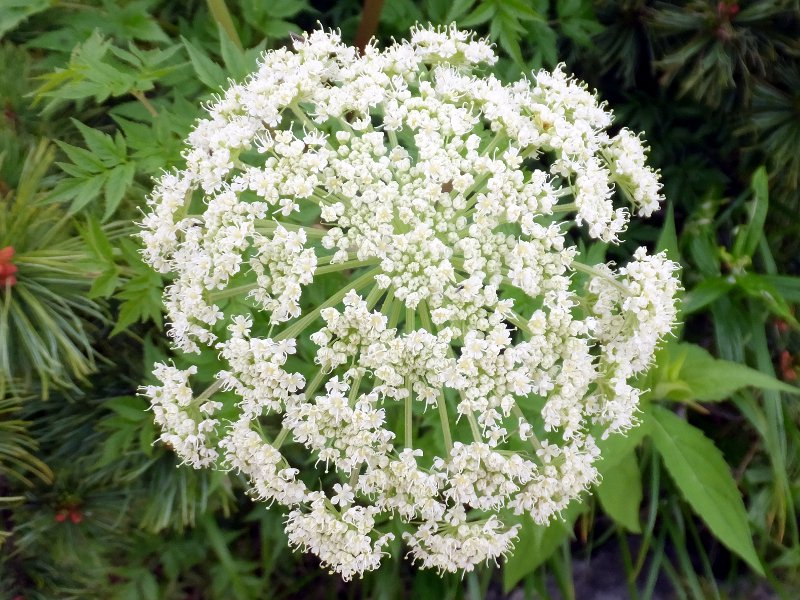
(282, 435)
(409, 401)
(473, 425)
(314, 384)
(222, 16)
(302, 117)
(350, 264)
(145, 102)
(534, 441)
(374, 295)
(441, 402)
(305, 321)
(589, 270)
(209, 391)
(565, 208)
(268, 226)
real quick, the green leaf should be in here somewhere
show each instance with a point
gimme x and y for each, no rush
(708, 379)
(701, 474)
(759, 287)
(668, 239)
(118, 181)
(209, 72)
(105, 284)
(101, 145)
(749, 235)
(14, 12)
(480, 15)
(620, 492)
(536, 543)
(703, 294)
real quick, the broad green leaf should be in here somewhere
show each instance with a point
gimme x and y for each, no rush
(617, 446)
(620, 492)
(701, 474)
(704, 293)
(707, 379)
(536, 543)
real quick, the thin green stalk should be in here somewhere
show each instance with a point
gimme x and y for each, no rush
(297, 327)
(268, 226)
(209, 391)
(374, 295)
(408, 410)
(349, 264)
(589, 270)
(441, 402)
(655, 486)
(280, 438)
(314, 384)
(627, 561)
(219, 11)
(473, 425)
(565, 208)
(534, 441)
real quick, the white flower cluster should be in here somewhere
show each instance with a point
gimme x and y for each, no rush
(444, 204)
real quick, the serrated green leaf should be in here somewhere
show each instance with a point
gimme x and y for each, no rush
(101, 145)
(209, 72)
(700, 472)
(104, 284)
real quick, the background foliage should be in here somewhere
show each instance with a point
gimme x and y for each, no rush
(701, 501)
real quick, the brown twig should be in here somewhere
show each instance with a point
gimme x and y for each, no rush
(369, 23)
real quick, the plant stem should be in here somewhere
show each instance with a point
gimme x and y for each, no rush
(473, 425)
(534, 441)
(409, 400)
(222, 16)
(282, 435)
(145, 102)
(370, 16)
(441, 402)
(350, 264)
(293, 330)
(209, 391)
(589, 270)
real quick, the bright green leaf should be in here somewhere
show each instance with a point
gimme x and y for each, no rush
(701, 474)
(536, 543)
(620, 492)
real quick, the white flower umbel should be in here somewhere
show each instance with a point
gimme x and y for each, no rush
(409, 221)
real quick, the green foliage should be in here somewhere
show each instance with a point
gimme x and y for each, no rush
(700, 472)
(46, 319)
(93, 505)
